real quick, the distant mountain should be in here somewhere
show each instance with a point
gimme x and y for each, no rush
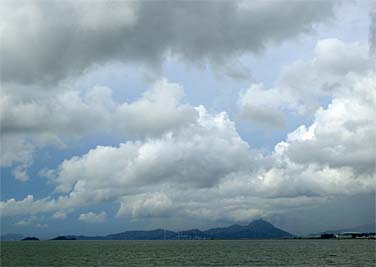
(30, 238)
(158, 234)
(61, 237)
(82, 237)
(256, 229)
(192, 234)
(11, 237)
(366, 228)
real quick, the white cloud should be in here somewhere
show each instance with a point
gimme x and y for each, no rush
(31, 221)
(335, 154)
(303, 83)
(206, 170)
(159, 110)
(29, 124)
(28, 205)
(179, 161)
(194, 163)
(341, 135)
(23, 222)
(146, 205)
(334, 64)
(16, 150)
(92, 217)
(20, 173)
(59, 215)
(198, 155)
(264, 106)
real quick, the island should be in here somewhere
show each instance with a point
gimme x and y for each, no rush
(30, 238)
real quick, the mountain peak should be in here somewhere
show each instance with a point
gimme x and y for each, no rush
(260, 222)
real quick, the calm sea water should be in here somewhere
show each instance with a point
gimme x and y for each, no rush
(190, 253)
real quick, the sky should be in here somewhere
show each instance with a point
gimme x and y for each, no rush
(120, 115)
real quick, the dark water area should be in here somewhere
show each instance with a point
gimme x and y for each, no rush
(190, 253)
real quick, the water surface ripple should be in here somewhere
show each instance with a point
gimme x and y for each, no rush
(190, 253)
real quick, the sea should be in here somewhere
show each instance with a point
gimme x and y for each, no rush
(299, 252)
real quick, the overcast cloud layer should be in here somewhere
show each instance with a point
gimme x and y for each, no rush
(177, 160)
(42, 47)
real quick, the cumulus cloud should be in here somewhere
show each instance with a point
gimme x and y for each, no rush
(163, 108)
(334, 63)
(40, 47)
(263, 106)
(92, 217)
(59, 215)
(341, 135)
(28, 205)
(303, 84)
(31, 221)
(33, 117)
(204, 168)
(146, 205)
(55, 114)
(198, 155)
(15, 150)
(336, 153)
(182, 160)
(27, 125)
(27, 221)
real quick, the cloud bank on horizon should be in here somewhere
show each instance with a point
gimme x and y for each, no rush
(169, 158)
